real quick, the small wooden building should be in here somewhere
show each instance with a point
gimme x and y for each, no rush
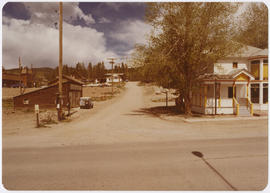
(46, 97)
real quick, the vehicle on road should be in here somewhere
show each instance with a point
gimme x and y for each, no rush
(86, 103)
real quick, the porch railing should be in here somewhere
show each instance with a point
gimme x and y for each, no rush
(236, 106)
(250, 106)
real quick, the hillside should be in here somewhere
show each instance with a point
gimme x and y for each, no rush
(39, 73)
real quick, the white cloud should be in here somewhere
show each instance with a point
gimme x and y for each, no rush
(37, 44)
(47, 13)
(104, 20)
(132, 32)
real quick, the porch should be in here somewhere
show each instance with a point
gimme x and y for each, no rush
(231, 94)
(223, 98)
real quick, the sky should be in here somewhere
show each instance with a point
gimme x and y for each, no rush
(92, 32)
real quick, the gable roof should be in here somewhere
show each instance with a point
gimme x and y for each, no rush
(237, 72)
(37, 90)
(229, 76)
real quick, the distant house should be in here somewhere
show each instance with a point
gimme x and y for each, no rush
(15, 79)
(115, 77)
(46, 97)
(237, 85)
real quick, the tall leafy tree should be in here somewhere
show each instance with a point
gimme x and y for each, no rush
(187, 39)
(253, 26)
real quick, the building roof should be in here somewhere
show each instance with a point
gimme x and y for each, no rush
(263, 52)
(67, 79)
(52, 85)
(250, 51)
(229, 76)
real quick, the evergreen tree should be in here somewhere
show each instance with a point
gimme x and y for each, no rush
(90, 71)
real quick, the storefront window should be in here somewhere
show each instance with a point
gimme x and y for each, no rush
(265, 93)
(255, 69)
(255, 93)
(265, 69)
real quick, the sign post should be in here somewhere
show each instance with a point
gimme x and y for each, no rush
(37, 114)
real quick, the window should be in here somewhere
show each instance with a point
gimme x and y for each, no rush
(265, 69)
(235, 64)
(255, 69)
(25, 101)
(265, 93)
(230, 92)
(255, 93)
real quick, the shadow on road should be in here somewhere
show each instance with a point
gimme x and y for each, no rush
(200, 155)
(157, 111)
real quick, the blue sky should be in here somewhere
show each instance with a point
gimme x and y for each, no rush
(92, 32)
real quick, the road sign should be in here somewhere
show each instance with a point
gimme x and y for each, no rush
(36, 108)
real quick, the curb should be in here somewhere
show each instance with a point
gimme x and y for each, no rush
(225, 119)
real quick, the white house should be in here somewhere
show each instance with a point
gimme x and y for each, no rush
(237, 85)
(115, 77)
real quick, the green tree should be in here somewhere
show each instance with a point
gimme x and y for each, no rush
(81, 70)
(65, 69)
(253, 26)
(99, 70)
(90, 71)
(187, 39)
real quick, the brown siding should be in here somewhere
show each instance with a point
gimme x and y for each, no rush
(46, 97)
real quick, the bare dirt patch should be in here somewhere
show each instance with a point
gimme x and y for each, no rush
(102, 93)
(23, 121)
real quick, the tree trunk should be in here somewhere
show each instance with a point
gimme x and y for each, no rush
(188, 105)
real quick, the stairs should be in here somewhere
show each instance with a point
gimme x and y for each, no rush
(244, 111)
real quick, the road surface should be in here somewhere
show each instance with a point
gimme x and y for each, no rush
(124, 147)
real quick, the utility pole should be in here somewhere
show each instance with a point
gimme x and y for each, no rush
(60, 60)
(112, 62)
(20, 75)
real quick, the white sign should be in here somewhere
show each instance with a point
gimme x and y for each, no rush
(36, 108)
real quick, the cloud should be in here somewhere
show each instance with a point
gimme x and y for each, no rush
(37, 44)
(113, 5)
(132, 32)
(104, 20)
(47, 13)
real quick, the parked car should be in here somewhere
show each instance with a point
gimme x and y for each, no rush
(86, 103)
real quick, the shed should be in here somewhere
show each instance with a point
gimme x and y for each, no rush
(46, 97)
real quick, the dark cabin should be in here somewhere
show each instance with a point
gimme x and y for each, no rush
(46, 97)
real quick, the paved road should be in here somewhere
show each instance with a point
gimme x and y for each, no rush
(123, 148)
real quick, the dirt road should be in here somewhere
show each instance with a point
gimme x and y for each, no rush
(122, 146)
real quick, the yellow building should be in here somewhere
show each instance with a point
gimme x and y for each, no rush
(237, 85)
